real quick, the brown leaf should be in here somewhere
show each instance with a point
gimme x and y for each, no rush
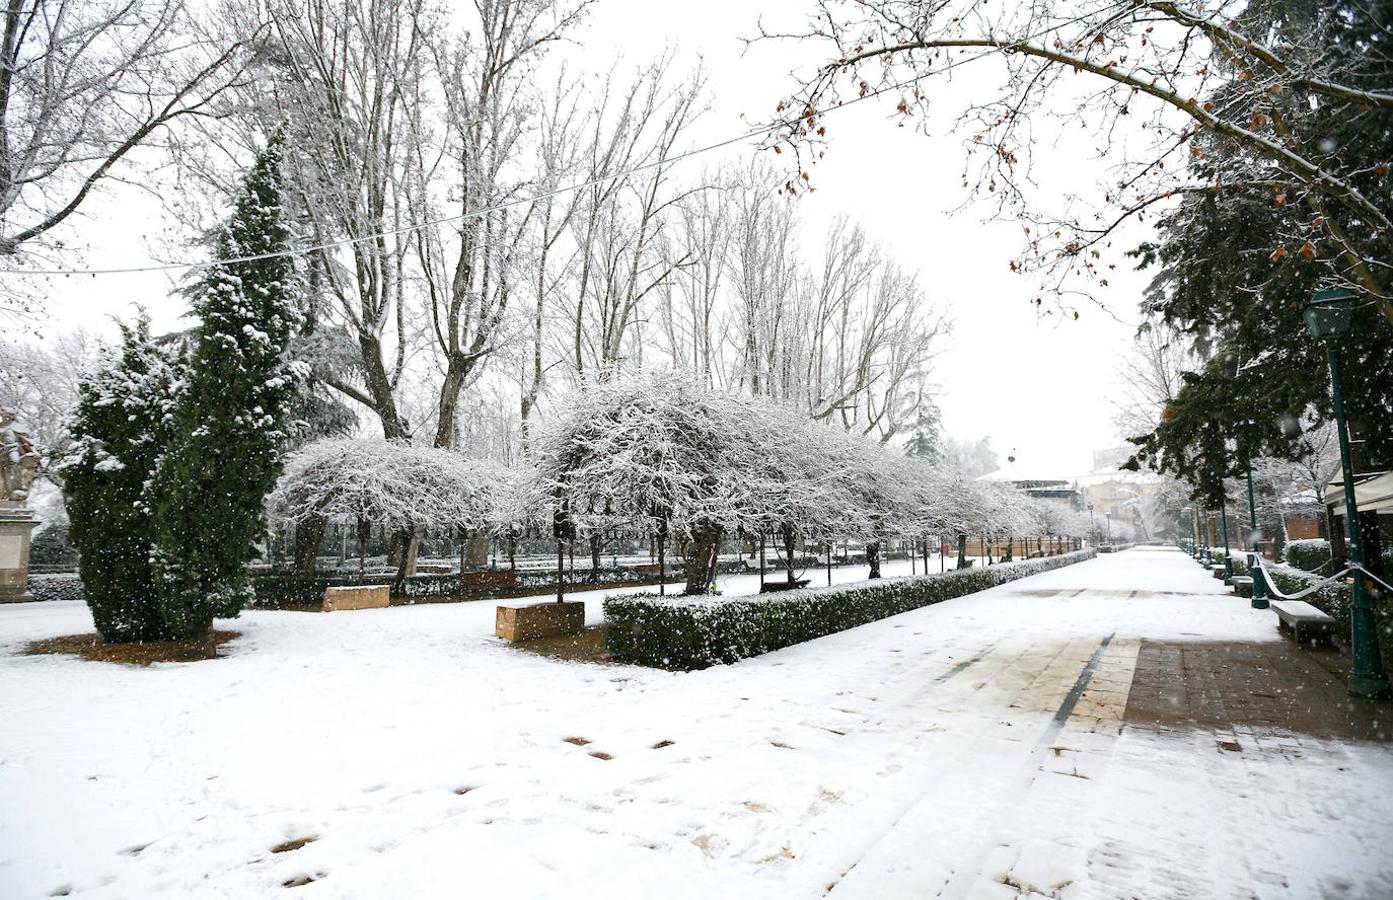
(1308, 250)
(1278, 255)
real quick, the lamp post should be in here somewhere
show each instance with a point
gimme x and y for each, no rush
(1092, 528)
(1228, 558)
(1329, 316)
(1259, 583)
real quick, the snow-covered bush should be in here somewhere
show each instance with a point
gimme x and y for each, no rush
(693, 633)
(1308, 555)
(233, 413)
(123, 425)
(58, 586)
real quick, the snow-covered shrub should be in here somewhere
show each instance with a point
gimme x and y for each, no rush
(1308, 555)
(233, 412)
(123, 425)
(693, 633)
(63, 586)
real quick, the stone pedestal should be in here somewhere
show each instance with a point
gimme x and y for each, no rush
(527, 621)
(367, 596)
(16, 523)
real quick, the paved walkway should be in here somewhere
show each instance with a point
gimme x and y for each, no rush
(1119, 728)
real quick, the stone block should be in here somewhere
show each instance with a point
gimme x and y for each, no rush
(528, 621)
(365, 596)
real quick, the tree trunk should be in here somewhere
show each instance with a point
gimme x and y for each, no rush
(364, 532)
(308, 535)
(873, 558)
(596, 545)
(701, 558)
(790, 538)
(962, 551)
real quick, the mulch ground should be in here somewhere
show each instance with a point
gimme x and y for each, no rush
(1271, 685)
(588, 646)
(92, 647)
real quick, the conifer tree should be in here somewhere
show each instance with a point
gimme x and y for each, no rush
(123, 424)
(232, 417)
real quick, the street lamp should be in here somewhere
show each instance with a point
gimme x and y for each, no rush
(1259, 585)
(1330, 316)
(1092, 528)
(1228, 557)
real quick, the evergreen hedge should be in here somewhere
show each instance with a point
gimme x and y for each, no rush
(1309, 555)
(686, 633)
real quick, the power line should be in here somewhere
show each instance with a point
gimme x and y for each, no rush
(763, 130)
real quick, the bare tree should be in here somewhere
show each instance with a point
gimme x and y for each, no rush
(622, 230)
(486, 81)
(1191, 76)
(83, 83)
(339, 80)
(1149, 376)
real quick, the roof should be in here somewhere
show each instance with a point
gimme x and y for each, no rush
(1016, 473)
(1371, 494)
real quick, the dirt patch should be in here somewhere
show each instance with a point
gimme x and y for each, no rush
(91, 647)
(296, 844)
(1250, 685)
(588, 646)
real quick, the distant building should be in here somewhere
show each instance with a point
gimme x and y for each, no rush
(1128, 497)
(1039, 483)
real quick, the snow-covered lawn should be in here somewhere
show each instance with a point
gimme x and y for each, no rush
(912, 757)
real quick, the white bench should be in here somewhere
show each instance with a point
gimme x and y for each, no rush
(1301, 617)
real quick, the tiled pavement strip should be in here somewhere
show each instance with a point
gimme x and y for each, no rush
(1270, 700)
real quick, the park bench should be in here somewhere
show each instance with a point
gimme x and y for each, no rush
(1243, 585)
(1300, 617)
(1217, 570)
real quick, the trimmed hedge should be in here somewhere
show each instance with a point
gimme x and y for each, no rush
(1308, 555)
(686, 633)
(56, 587)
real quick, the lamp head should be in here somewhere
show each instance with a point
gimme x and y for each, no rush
(1330, 313)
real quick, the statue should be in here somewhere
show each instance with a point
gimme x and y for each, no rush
(18, 460)
(18, 465)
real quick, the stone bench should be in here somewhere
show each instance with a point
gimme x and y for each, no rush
(1217, 570)
(1243, 585)
(364, 596)
(529, 621)
(1303, 619)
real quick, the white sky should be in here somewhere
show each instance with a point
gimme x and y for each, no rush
(1037, 387)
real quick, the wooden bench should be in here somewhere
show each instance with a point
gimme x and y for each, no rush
(1217, 570)
(1300, 618)
(1243, 585)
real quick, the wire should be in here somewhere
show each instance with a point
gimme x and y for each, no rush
(763, 130)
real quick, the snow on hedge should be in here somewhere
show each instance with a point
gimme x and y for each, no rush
(696, 632)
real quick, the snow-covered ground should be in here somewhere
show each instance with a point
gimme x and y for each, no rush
(918, 756)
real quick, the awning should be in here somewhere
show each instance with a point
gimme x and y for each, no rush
(1372, 493)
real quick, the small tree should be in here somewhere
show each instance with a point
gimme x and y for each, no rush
(122, 426)
(395, 486)
(232, 418)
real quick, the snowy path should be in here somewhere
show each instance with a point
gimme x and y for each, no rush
(971, 749)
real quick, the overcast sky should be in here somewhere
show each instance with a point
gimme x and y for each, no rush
(1036, 386)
